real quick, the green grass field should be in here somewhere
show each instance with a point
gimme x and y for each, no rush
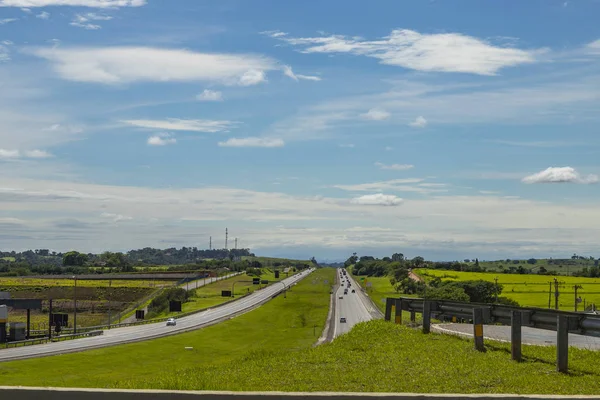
(383, 357)
(283, 325)
(269, 261)
(529, 290)
(210, 295)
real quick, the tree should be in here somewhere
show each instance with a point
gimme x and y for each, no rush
(397, 257)
(477, 262)
(532, 261)
(542, 271)
(447, 292)
(351, 260)
(418, 261)
(74, 259)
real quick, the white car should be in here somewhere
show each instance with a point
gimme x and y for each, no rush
(171, 322)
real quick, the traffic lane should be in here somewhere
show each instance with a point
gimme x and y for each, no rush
(350, 307)
(534, 336)
(150, 331)
(374, 312)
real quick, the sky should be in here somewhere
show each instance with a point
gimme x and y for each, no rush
(445, 129)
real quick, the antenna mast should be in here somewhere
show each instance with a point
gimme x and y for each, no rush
(226, 236)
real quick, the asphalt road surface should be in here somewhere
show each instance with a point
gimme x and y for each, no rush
(529, 335)
(193, 285)
(352, 306)
(150, 331)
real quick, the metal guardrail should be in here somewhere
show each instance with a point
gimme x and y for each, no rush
(46, 339)
(562, 322)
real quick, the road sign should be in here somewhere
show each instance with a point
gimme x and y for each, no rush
(174, 306)
(225, 293)
(264, 282)
(255, 281)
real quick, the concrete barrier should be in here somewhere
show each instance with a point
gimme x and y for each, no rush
(23, 393)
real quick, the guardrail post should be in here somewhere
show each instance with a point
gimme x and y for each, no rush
(426, 316)
(413, 316)
(478, 328)
(562, 343)
(515, 335)
(389, 302)
(398, 316)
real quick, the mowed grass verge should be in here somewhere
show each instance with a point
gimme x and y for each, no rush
(529, 289)
(379, 356)
(210, 295)
(281, 325)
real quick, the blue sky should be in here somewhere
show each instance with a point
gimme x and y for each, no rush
(447, 129)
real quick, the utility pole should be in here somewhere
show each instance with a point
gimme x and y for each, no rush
(556, 294)
(496, 281)
(75, 306)
(226, 236)
(576, 298)
(109, 299)
(210, 243)
(550, 295)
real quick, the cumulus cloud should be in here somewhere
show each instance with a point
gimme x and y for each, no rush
(7, 20)
(445, 52)
(348, 145)
(378, 199)
(420, 122)
(395, 167)
(37, 154)
(253, 142)
(414, 185)
(376, 115)
(43, 15)
(122, 64)
(191, 125)
(4, 53)
(389, 148)
(74, 3)
(559, 175)
(161, 139)
(210, 95)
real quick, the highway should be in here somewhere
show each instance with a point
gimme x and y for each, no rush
(150, 331)
(352, 306)
(535, 336)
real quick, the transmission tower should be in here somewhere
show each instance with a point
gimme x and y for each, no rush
(226, 237)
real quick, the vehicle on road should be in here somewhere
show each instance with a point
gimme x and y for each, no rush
(341, 297)
(343, 320)
(171, 322)
(353, 291)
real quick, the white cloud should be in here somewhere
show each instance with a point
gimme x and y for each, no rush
(395, 167)
(593, 47)
(113, 65)
(116, 217)
(73, 3)
(83, 20)
(26, 10)
(210, 95)
(348, 145)
(559, 175)
(287, 71)
(378, 199)
(252, 77)
(389, 148)
(7, 20)
(6, 154)
(273, 34)
(445, 52)
(420, 122)
(395, 185)
(43, 15)
(253, 142)
(190, 125)
(4, 53)
(162, 139)
(37, 154)
(376, 115)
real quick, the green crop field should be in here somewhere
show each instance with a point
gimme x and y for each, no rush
(283, 325)
(30, 282)
(529, 289)
(269, 261)
(558, 266)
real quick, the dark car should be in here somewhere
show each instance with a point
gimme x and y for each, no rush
(353, 291)
(342, 320)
